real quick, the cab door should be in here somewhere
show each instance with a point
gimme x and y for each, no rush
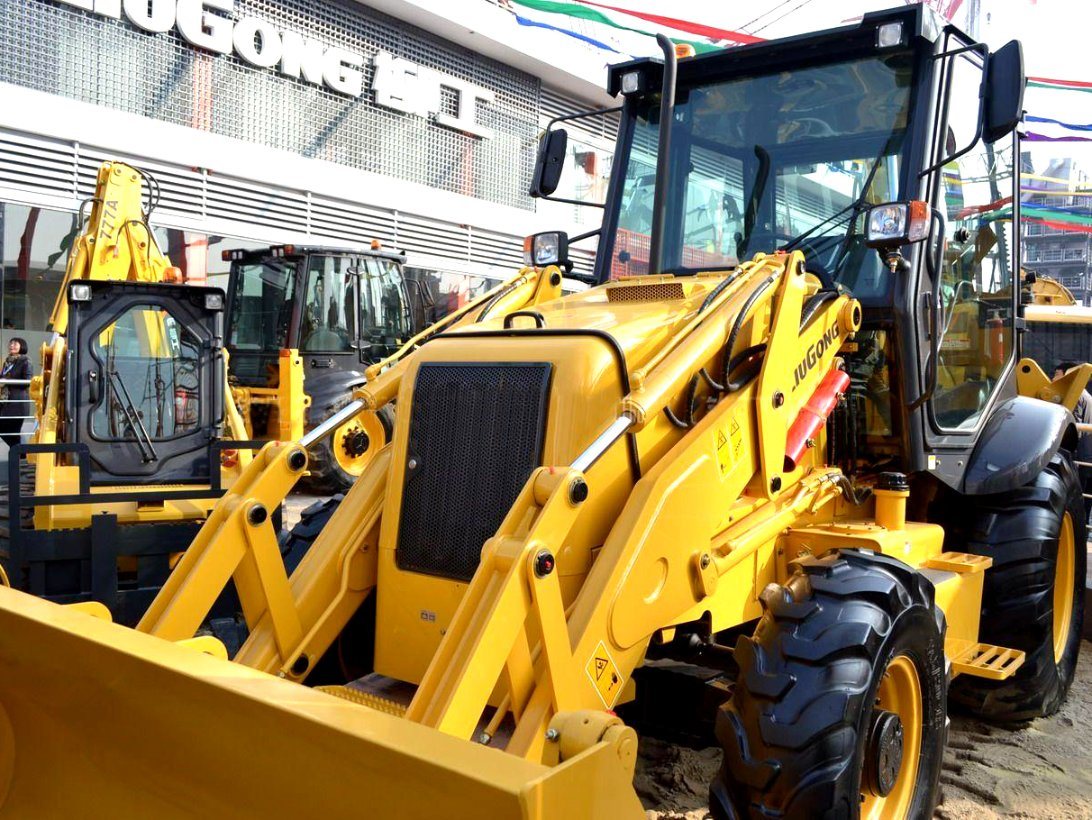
(385, 316)
(974, 298)
(145, 379)
(329, 334)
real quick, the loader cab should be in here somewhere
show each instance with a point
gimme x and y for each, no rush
(790, 146)
(147, 397)
(342, 310)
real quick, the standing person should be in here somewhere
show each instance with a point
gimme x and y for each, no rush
(15, 398)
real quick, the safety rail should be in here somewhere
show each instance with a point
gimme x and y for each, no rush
(17, 383)
(87, 559)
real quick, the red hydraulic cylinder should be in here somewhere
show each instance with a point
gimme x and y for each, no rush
(813, 415)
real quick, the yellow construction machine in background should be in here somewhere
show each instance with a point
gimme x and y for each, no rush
(758, 466)
(123, 466)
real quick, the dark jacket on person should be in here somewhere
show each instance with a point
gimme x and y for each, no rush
(15, 397)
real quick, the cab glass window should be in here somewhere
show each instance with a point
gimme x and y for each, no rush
(146, 386)
(329, 315)
(975, 288)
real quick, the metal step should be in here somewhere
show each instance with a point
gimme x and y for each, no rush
(959, 562)
(376, 702)
(985, 660)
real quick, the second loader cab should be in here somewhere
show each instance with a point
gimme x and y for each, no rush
(334, 312)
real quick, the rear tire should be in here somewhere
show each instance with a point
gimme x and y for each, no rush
(1032, 601)
(825, 668)
(326, 471)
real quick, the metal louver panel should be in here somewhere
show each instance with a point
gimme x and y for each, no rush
(37, 165)
(422, 235)
(61, 174)
(357, 224)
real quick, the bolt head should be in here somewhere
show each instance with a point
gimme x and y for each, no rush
(578, 491)
(257, 515)
(544, 563)
(552, 735)
(775, 484)
(706, 561)
(778, 399)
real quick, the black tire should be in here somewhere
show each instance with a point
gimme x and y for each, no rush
(795, 732)
(325, 474)
(295, 542)
(1019, 530)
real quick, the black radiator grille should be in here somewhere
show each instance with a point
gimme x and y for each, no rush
(476, 433)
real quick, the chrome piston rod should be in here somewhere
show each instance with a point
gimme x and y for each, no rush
(332, 423)
(604, 440)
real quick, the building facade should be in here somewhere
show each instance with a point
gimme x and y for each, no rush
(1061, 254)
(267, 121)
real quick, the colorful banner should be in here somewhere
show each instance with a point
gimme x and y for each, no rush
(613, 19)
(1072, 126)
(1059, 85)
(712, 32)
(1031, 136)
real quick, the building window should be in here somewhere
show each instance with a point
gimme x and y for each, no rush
(34, 251)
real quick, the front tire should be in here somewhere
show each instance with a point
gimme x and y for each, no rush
(1033, 598)
(839, 708)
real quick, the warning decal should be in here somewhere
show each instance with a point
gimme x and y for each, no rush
(737, 439)
(604, 675)
(724, 453)
(729, 446)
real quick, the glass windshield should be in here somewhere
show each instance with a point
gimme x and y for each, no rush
(149, 376)
(262, 306)
(758, 161)
(329, 317)
(383, 311)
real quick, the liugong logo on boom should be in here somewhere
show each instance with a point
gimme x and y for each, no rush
(814, 354)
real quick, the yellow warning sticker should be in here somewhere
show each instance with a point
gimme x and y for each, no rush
(729, 446)
(604, 675)
(737, 439)
(724, 453)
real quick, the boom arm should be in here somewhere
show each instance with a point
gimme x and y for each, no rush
(117, 242)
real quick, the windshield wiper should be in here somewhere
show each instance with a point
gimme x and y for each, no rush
(838, 216)
(147, 452)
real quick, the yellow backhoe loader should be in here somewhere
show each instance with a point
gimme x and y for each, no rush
(778, 467)
(131, 402)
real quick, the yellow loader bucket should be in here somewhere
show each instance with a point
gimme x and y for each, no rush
(97, 720)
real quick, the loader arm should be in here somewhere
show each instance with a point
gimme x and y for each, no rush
(298, 618)
(675, 545)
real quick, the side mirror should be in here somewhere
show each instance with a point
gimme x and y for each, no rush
(550, 163)
(1004, 91)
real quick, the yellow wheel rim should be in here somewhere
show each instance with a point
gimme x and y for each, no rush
(347, 443)
(1063, 587)
(899, 694)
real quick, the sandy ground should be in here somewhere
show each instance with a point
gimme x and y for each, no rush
(1040, 770)
(1037, 771)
